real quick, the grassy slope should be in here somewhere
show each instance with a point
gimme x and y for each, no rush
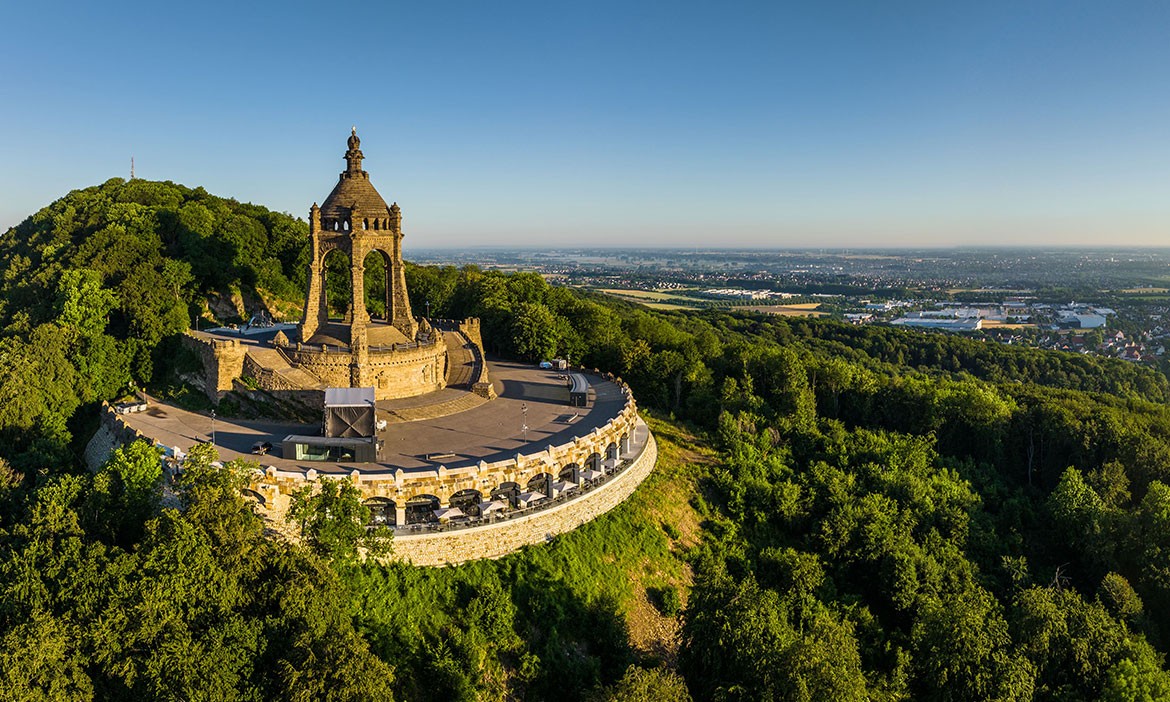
(620, 555)
(607, 564)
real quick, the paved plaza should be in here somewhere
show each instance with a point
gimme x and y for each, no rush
(490, 431)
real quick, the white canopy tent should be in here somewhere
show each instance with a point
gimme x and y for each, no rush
(530, 498)
(486, 508)
(448, 513)
(560, 486)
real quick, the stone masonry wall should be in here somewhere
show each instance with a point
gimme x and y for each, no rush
(223, 362)
(267, 378)
(404, 372)
(431, 549)
(113, 432)
(502, 538)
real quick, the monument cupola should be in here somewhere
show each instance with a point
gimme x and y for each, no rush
(354, 203)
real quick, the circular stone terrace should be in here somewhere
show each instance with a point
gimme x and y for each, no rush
(457, 477)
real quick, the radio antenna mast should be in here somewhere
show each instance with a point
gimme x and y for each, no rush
(131, 168)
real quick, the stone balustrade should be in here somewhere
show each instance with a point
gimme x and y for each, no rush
(603, 445)
(503, 536)
(622, 451)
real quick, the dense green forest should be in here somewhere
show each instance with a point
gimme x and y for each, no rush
(838, 513)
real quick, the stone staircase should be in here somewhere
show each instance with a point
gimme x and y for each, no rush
(460, 403)
(286, 376)
(461, 365)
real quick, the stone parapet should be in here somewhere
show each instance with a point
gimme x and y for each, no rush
(605, 444)
(113, 432)
(503, 537)
(265, 377)
(605, 464)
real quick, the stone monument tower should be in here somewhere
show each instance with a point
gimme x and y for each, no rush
(356, 220)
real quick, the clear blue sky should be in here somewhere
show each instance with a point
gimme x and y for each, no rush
(628, 123)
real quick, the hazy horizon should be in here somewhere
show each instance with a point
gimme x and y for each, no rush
(837, 126)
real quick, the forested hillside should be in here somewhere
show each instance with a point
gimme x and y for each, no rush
(838, 514)
(94, 285)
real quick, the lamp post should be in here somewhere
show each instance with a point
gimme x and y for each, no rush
(524, 424)
(213, 427)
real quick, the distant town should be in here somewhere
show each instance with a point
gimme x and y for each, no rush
(1117, 307)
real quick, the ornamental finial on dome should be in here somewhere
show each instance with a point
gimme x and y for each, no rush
(353, 157)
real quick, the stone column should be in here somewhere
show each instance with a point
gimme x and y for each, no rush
(399, 514)
(315, 313)
(388, 282)
(400, 314)
(358, 283)
(358, 339)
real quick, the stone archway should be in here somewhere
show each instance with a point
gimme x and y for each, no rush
(420, 509)
(383, 511)
(338, 285)
(571, 473)
(594, 461)
(541, 483)
(467, 501)
(506, 492)
(378, 285)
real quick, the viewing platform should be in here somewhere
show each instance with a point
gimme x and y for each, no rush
(519, 463)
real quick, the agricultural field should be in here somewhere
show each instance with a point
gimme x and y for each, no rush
(657, 300)
(802, 309)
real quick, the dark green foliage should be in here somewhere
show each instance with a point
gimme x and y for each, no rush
(534, 333)
(125, 493)
(93, 283)
(891, 515)
(744, 642)
(665, 600)
(332, 520)
(204, 606)
(645, 685)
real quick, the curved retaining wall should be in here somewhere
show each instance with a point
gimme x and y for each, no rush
(601, 447)
(501, 538)
(593, 449)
